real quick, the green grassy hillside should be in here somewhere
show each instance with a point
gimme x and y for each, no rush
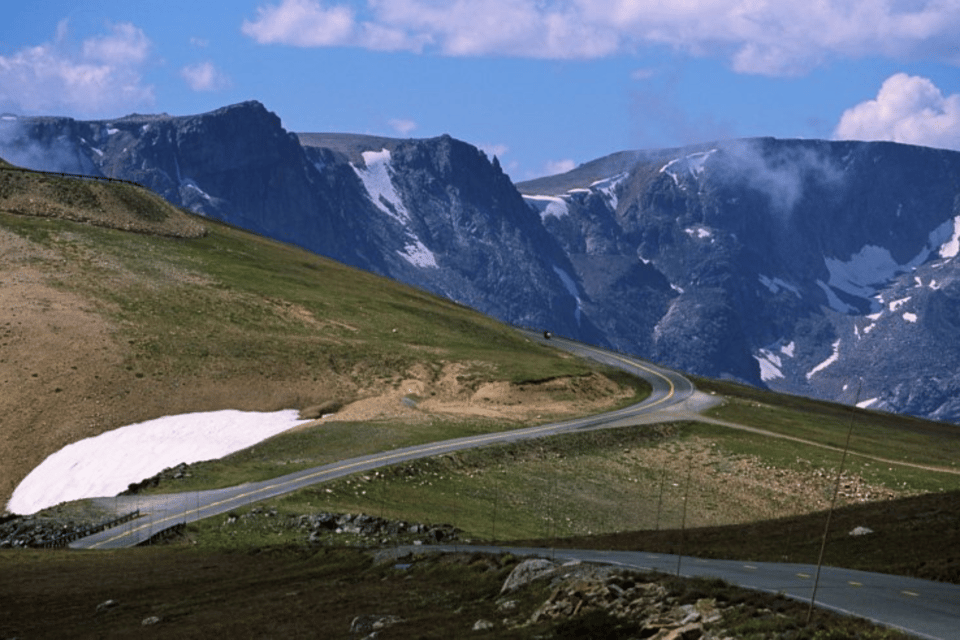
(104, 327)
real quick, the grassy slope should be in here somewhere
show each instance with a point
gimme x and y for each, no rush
(150, 325)
(230, 309)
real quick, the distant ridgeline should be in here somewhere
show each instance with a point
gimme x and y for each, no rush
(807, 266)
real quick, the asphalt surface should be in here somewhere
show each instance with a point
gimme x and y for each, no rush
(921, 608)
(671, 392)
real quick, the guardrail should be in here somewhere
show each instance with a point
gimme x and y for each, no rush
(75, 176)
(66, 539)
(163, 534)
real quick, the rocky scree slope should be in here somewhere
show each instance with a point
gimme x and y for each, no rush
(819, 268)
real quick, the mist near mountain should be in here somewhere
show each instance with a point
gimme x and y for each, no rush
(814, 267)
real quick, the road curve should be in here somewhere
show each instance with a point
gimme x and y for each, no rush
(670, 389)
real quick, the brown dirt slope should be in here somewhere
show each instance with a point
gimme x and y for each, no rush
(70, 367)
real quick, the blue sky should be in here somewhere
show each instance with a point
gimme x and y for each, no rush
(543, 84)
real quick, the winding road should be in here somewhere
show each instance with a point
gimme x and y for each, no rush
(926, 609)
(671, 391)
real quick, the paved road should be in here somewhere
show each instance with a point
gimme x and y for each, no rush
(671, 391)
(921, 608)
(925, 609)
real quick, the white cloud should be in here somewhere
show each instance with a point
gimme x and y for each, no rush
(492, 150)
(556, 167)
(204, 76)
(309, 23)
(908, 109)
(402, 125)
(756, 36)
(102, 76)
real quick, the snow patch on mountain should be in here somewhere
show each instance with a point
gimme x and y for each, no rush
(834, 301)
(864, 272)
(776, 284)
(187, 183)
(608, 187)
(770, 360)
(770, 365)
(571, 288)
(826, 363)
(417, 254)
(896, 304)
(692, 165)
(548, 206)
(951, 247)
(700, 233)
(378, 181)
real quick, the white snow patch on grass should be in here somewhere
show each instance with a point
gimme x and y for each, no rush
(108, 463)
(910, 317)
(826, 363)
(789, 349)
(863, 404)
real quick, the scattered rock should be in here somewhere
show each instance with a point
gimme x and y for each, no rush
(368, 624)
(483, 625)
(626, 595)
(107, 605)
(861, 531)
(322, 525)
(528, 571)
(179, 472)
(152, 620)
(17, 532)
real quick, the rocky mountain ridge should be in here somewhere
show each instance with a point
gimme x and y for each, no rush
(819, 268)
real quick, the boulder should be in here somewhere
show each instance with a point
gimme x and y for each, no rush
(528, 571)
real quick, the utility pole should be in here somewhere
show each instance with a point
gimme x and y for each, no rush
(683, 520)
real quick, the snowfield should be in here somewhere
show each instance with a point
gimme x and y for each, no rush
(108, 463)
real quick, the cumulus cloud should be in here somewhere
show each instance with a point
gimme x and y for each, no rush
(764, 37)
(204, 76)
(309, 23)
(402, 126)
(102, 75)
(498, 149)
(908, 109)
(556, 167)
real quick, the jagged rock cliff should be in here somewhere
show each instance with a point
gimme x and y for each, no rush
(813, 267)
(820, 268)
